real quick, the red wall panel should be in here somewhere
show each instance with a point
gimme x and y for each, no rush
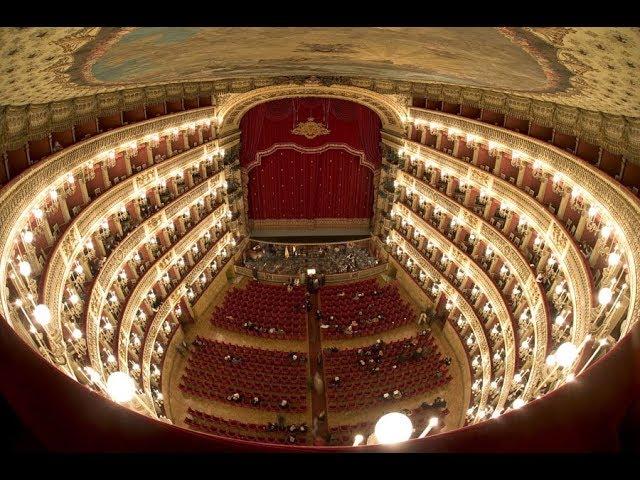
(38, 149)
(17, 161)
(135, 115)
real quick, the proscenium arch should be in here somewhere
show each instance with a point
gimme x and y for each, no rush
(392, 113)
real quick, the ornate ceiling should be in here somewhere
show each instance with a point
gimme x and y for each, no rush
(589, 68)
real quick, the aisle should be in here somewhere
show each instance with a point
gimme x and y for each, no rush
(318, 399)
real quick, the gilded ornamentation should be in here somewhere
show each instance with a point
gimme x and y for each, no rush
(461, 304)
(310, 129)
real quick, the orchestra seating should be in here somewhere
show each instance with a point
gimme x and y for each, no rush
(271, 433)
(263, 310)
(217, 371)
(411, 367)
(376, 309)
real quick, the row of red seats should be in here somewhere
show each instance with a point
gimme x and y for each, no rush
(222, 393)
(363, 286)
(218, 370)
(412, 367)
(255, 436)
(268, 311)
(363, 399)
(205, 345)
(348, 314)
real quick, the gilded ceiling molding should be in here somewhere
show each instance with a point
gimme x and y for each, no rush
(391, 112)
(620, 207)
(461, 304)
(616, 133)
(20, 124)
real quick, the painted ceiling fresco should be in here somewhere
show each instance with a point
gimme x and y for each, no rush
(591, 68)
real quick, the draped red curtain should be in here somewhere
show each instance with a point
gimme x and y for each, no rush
(291, 184)
(328, 176)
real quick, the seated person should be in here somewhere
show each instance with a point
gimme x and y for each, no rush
(234, 398)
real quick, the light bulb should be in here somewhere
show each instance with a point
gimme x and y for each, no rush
(28, 236)
(518, 403)
(24, 268)
(357, 440)
(604, 296)
(393, 428)
(93, 375)
(614, 259)
(76, 334)
(42, 314)
(120, 387)
(551, 360)
(566, 354)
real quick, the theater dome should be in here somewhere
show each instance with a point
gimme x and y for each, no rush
(342, 246)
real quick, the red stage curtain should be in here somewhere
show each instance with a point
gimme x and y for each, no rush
(291, 184)
(328, 184)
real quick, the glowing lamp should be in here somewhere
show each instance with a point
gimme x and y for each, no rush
(604, 296)
(120, 387)
(518, 403)
(92, 374)
(614, 259)
(42, 314)
(393, 428)
(566, 354)
(24, 268)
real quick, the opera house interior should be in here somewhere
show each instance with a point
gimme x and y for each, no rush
(325, 239)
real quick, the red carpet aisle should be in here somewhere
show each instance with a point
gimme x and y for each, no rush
(318, 396)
